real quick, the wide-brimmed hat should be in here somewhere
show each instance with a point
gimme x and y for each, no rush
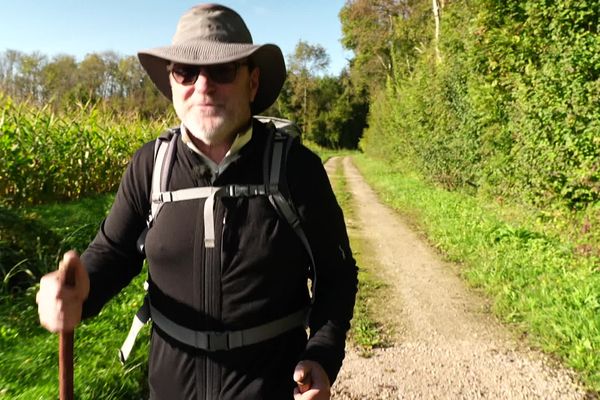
(215, 34)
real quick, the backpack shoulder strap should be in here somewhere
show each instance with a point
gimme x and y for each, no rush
(279, 142)
(164, 148)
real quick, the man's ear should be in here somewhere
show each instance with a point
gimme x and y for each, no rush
(254, 82)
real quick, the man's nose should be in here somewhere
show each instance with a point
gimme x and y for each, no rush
(203, 82)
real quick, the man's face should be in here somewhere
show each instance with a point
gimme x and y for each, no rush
(213, 112)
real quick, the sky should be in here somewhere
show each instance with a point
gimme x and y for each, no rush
(79, 27)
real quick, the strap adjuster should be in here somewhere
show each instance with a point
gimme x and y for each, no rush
(245, 190)
(162, 198)
(216, 341)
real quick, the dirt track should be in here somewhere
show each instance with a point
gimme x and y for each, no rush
(445, 344)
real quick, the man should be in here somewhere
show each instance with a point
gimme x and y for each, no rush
(231, 267)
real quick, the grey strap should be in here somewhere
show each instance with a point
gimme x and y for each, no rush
(127, 346)
(227, 340)
(276, 163)
(185, 194)
(140, 319)
(207, 192)
(209, 219)
(159, 159)
(167, 163)
(280, 144)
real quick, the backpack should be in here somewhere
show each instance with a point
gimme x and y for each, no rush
(282, 135)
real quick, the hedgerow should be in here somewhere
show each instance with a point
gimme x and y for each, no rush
(511, 110)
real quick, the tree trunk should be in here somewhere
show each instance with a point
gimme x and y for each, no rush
(437, 11)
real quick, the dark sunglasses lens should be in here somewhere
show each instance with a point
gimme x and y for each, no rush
(185, 75)
(219, 73)
(222, 73)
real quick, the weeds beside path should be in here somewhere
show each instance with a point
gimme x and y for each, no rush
(446, 345)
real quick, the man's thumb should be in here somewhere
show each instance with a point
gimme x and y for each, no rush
(73, 273)
(302, 376)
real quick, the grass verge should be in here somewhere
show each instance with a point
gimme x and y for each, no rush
(537, 281)
(366, 331)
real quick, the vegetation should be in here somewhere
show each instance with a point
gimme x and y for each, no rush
(49, 156)
(483, 114)
(502, 102)
(119, 82)
(30, 354)
(330, 110)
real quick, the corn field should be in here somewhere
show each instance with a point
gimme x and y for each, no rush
(51, 157)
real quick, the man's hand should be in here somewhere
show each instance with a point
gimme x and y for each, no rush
(313, 382)
(59, 305)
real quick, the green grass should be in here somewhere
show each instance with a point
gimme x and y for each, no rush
(366, 331)
(29, 368)
(29, 354)
(537, 279)
(76, 223)
(323, 152)
(33, 239)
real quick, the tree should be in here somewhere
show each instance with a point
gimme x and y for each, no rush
(59, 79)
(27, 82)
(307, 62)
(368, 29)
(9, 62)
(91, 78)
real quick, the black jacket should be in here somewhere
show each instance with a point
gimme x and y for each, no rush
(257, 272)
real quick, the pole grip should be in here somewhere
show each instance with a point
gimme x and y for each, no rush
(65, 345)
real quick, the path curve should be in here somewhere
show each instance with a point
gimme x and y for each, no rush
(446, 345)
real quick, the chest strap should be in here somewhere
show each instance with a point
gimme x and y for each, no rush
(227, 340)
(208, 193)
(210, 340)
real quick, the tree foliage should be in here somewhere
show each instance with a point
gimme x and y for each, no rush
(330, 110)
(62, 82)
(510, 107)
(118, 84)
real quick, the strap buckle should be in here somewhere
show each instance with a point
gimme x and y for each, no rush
(217, 341)
(245, 190)
(162, 198)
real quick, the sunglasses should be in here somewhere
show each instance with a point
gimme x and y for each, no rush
(187, 75)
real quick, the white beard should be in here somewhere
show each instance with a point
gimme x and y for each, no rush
(215, 127)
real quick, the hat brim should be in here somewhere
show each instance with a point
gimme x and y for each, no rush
(267, 57)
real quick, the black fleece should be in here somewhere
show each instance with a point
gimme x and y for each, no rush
(257, 272)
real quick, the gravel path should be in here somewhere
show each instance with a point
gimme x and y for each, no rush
(445, 344)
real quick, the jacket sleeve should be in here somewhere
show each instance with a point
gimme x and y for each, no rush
(112, 259)
(336, 270)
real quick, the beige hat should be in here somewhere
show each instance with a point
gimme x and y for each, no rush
(215, 34)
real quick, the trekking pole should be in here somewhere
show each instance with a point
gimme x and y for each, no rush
(65, 346)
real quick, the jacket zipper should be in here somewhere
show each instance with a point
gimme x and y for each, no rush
(212, 294)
